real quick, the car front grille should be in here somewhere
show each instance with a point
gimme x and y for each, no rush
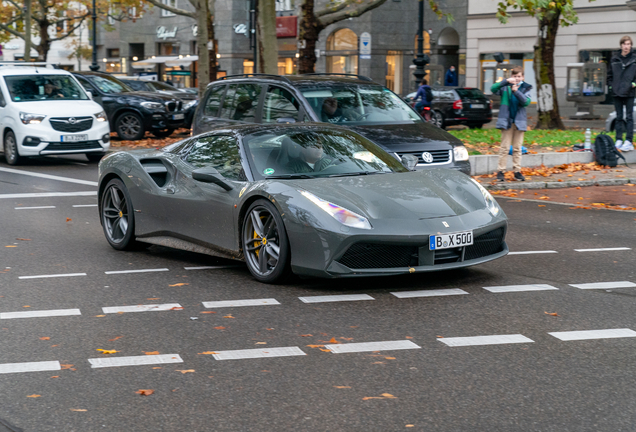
(174, 106)
(439, 156)
(486, 244)
(71, 124)
(65, 146)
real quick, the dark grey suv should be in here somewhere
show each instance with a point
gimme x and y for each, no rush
(355, 102)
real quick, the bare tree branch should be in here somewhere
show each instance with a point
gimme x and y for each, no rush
(332, 9)
(173, 9)
(353, 12)
(68, 32)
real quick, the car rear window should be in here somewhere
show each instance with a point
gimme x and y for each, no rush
(470, 93)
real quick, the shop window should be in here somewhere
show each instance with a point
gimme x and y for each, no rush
(248, 67)
(342, 55)
(394, 71)
(286, 66)
(279, 103)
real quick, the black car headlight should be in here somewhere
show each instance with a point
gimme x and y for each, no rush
(190, 104)
(491, 204)
(153, 106)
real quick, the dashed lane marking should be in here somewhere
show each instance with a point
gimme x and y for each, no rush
(40, 313)
(593, 334)
(47, 194)
(84, 205)
(335, 298)
(520, 288)
(532, 252)
(603, 249)
(371, 346)
(50, 177)
(136, 271)
(143, 308)
(429, 293)
(605, 285)
(485, 340)
(34, 208)
(259, 353)
(104, 362)
(52, 276)
(30, 367)
(233, 303)
(211, 267)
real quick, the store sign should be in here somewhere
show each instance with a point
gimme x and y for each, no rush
(365, 46)
(286, 26)
(164, 33)
(240, 28)
(195, 30)
(284, 5)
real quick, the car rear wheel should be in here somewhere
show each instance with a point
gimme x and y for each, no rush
(437, 118)
(163, 133)
(265, 243)
(130, 126)
(11, 149)
(117, 214)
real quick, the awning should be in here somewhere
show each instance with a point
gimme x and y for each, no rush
(152, 61)
(183, 61)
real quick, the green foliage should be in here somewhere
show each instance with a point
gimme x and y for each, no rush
(539, 9)
(544, 138)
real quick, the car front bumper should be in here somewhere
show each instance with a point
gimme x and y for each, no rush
(166, 120)
(42, 139)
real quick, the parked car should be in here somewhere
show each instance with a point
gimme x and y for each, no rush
(610, 122)
(459, 106)
(360, 104)
(190, 100)
(47, 112)
(313, 199)
(133, 113)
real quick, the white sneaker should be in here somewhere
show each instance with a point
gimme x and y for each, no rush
(618, 144)
(627, 146)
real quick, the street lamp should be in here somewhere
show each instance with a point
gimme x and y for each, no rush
(94, 66)
(422, 59)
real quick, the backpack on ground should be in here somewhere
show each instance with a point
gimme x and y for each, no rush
(605, 152)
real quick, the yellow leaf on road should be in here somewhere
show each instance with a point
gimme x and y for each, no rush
(145, 392)
(208, 352)
(179, 284)
(185, 371)
(78, 409)
(34, 396)
(106, 351)
(151, 352)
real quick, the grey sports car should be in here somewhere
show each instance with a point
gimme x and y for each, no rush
(312, 199)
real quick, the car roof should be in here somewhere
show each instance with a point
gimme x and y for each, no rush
(28, 70)
(246, 129)
(318, 79)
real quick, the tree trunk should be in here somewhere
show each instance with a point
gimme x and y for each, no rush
(45, 41)
(548, 116)
(268, 45)
(309, 30)
(212, 46)
(202, 45)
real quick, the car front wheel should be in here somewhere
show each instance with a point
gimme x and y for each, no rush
(117, 215)
(11, 149)
(437, 119)
(265, 243)
(130, 126)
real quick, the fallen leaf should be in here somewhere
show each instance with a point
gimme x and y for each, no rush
(333, 340)
(144, 392)
(207, 312)
(409, 337)
(68, 219)
(390, 358)
(112, 340)
(269, 329)
(55, 376)
(342, 387)
(179, 284)
(106, 351)
(261, 343)
(388, 396)
(551, 313)
(228, 316)
(409, 425)
(347, 339)
(541, 205)
(11, 246)
(66, 366)
(45, 338)
(185, 371)
(34, 396)
(78, 409)
(176, 308)
(151, 352)
(22, 239)
(220, 328)
(325, 350)
(154, 298)
(378, 363)
(208, 352)
(315, 346)
(441, 337)
(26, 306)
(100, 316)
(307, 335)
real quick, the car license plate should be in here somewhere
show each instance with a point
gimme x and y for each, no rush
(178, 116)
(447, 241)
(476, 105)
(74, 138)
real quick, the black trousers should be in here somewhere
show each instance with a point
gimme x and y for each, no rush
(624, 125)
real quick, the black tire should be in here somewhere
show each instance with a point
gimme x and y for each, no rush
(437, 118)
(613, 126)
(163, 133)
(11, 154)
(130, 126)
(118, 216)
(95, 157)
(263, 233)
(475, 125)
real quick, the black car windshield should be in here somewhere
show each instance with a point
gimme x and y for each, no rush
(358, 104)
(136, 85)
(108, 84)
(162, 86)
(27, 88)
(470, 93)
(303, 153)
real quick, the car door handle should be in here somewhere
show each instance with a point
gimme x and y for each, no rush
(170, 190)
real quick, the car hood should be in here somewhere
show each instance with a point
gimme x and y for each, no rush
(408, 136)
(413, 195)
(61, 108)
(150, 96)
(178, 94)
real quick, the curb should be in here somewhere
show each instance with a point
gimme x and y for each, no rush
(557, 185)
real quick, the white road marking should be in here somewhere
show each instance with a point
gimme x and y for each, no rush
(136, 271)
(605, 285)
(258, 353)
(485, 340)
(593, 334)
(532, 252)
(603, 249)
(33, 208)
(30, 367)
(52, 276)
(142, 308)
(429, 293)
(233, 303)
(371, 346)
(50, 177)
(47, 194)
(84, 205)
(103, 362)
(335, 298)
(519, 288)
(211, 267)
(40, 313)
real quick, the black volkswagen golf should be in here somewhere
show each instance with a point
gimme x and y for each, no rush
(355, 102)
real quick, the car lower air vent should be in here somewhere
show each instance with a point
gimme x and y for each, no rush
(156, 170)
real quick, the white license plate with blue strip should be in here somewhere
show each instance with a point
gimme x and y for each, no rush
(447, 241)
(73, 138)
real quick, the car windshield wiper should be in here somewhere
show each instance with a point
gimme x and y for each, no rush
(289, 176)
(357, 173)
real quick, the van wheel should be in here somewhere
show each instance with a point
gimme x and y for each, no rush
(11, 149)
(130, 126)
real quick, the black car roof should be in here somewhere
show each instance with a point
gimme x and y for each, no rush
(319, 79)
(244, 129)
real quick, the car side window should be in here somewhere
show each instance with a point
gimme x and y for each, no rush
(220, 152)
(3, 102)
(246, 102)
(279, 103)
(213, 103)
(84, 82)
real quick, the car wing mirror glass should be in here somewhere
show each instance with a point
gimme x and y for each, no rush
(286, 120)
(409, 161)
(211, 175)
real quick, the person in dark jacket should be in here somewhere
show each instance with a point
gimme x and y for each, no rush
(450, 79)
(621, 79)
(424, 94)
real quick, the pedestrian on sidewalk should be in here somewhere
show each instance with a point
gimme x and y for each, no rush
(450, 79)
(512, 120)
(621, 79)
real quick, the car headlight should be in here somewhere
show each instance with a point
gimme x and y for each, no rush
(491, 204)
(460, 153)
(342, 215)
(190, 104)
(152, 105)
(101, 116)
(28, 118)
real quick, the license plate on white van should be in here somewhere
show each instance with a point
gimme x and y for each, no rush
(447, 241)
(178, 116)
(74, 138)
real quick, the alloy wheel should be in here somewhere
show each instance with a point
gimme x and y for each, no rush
(261, 241)
(130, 126)
(115, 214)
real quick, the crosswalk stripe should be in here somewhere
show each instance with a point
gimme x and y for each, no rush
(234, 303)
(429, 293)
(604, 285)
(371, 346)
(136, 271)
(84, 205)
(30, 367)
(258, 353)
(212, 267)
(50, 177)
(335, 298)
(593, 334)
(134, 360)
(520, 288)
(143, 308)
(52, 276)
(40, 313)
(484, 340)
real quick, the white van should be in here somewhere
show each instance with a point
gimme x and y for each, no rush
(45, 111)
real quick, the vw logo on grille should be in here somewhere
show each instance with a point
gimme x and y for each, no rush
(427, 157)
(72, 120)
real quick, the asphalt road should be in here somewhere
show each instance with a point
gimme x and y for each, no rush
(470, 350)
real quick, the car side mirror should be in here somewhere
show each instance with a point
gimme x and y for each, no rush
(89, 94)
(410, 161)
(286, 120)
(211, 175)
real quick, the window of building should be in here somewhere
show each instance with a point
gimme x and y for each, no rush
(286, 66)
(248, 67)
(168, 48)
(219, 152)
(279, 103)
(172, 3)
(112, 52)
(426, 47)
(342, 52)
(394, 71)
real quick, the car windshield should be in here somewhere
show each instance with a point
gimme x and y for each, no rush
(358, 104)
(108, 84)
(162, 86)
(305, 153)
(26, 88)
(136, 85)
(470, 93)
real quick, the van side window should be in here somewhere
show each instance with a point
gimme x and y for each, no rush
(3, 102)
(279, 103)
(213, 103)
